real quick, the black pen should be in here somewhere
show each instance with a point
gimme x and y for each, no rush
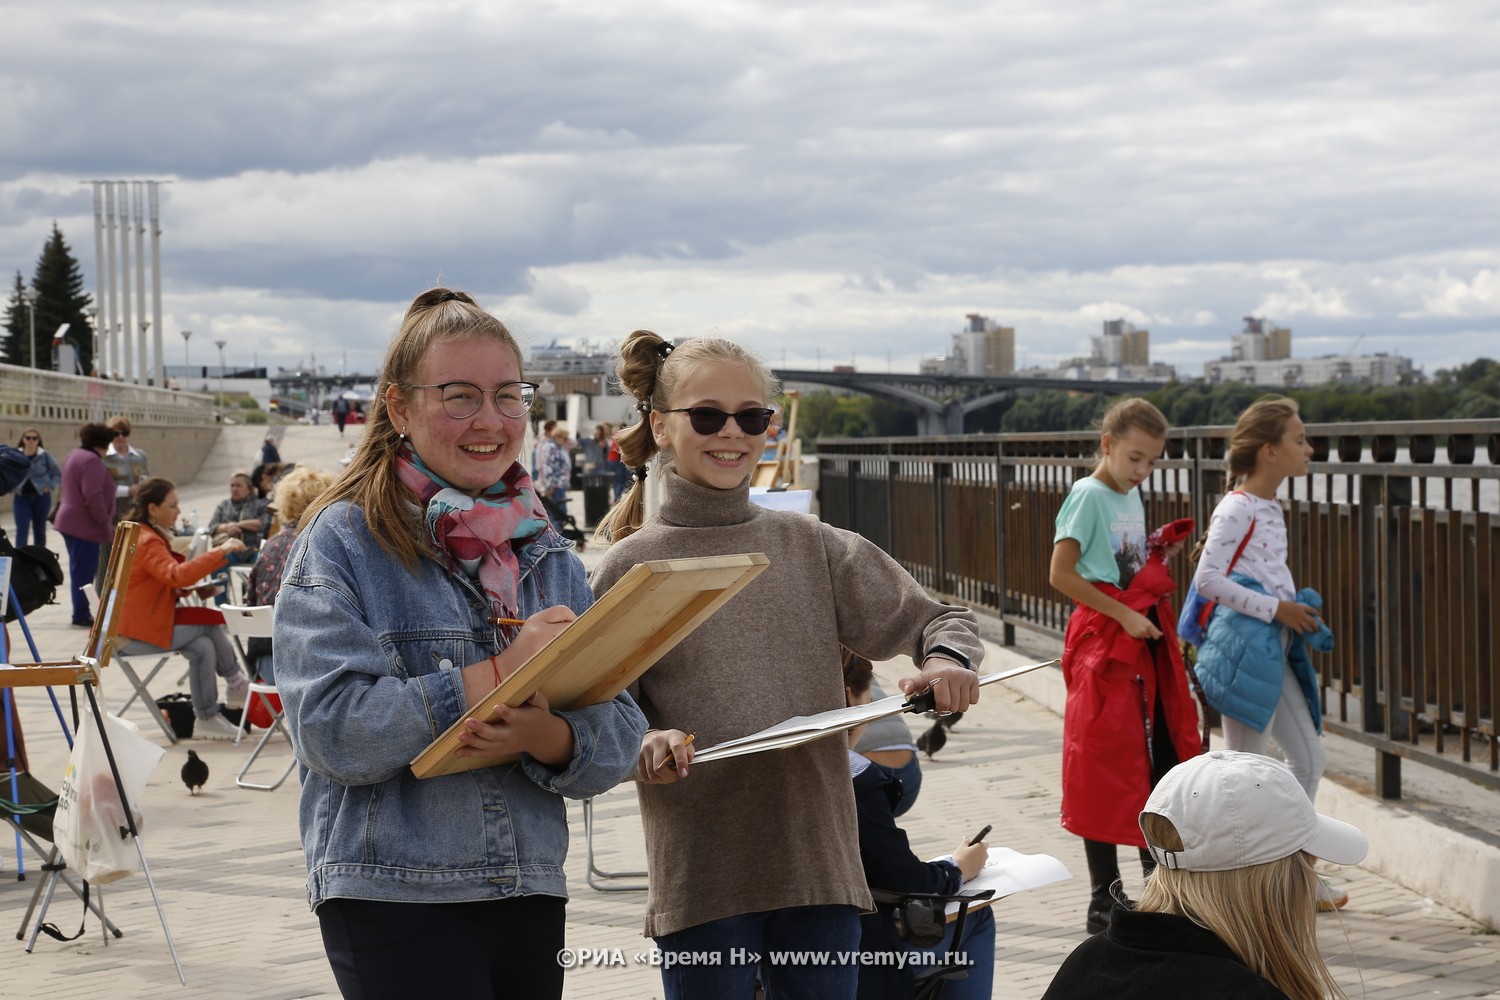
(980, 835)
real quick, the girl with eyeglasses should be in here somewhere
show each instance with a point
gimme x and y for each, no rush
(759, 852)
(33, 499)
(393, 617)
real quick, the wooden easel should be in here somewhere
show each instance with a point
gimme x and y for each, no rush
(83, 671)
(785, 470)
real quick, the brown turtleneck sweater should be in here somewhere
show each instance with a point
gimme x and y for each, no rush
(776, 829)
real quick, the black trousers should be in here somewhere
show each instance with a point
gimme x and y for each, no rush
(500, 948)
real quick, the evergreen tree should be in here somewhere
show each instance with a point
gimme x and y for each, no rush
(14, 350)
(61, 299)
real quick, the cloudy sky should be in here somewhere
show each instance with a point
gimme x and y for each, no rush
(829, 182)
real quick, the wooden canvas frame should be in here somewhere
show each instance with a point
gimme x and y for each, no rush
(101, 642)
(647, 612)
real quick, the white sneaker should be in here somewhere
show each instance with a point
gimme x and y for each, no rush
(215, 727)
(234, 691)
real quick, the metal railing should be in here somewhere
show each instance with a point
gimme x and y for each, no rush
(1396, 524)
(36, 396)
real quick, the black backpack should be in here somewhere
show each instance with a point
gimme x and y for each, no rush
(35, 575)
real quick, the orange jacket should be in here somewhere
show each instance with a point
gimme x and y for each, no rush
(155, 577)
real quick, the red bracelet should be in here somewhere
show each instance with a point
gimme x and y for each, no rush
(496, 667)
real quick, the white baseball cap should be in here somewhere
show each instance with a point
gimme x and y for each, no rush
(1235, 809)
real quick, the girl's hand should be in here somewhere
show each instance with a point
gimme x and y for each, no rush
(954, 686)
(1297, 617)
(529, 728)
(664, 758)
(971, 858)
(1138, 626)
(539, 630)
(231, 545)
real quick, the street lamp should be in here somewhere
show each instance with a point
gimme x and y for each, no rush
(220, 345)
(186, 364)
(30, 295)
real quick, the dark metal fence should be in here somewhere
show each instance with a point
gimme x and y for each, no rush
(1396, 524)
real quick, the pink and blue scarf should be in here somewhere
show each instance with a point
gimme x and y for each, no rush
(477, 536)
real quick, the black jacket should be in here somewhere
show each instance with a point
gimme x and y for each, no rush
(885, 852)
(1156, 956)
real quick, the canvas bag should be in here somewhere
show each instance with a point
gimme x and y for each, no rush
(90, 826)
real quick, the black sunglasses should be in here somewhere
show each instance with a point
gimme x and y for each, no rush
(708, 420)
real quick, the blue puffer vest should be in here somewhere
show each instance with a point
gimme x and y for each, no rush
(1240, 663)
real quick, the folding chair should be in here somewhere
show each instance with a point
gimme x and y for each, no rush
(141, 687)
(245, 623)
(930, 980)
(593, 874)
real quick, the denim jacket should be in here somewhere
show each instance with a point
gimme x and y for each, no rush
(368, 665)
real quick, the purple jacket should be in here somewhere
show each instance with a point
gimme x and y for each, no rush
(87, 510)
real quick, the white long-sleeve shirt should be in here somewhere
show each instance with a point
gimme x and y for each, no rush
(1264, 558)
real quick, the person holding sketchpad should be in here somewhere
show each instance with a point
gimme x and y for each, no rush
(421, 578)
(758, 853)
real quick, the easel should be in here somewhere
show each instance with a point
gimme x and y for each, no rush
(52, 858)
(785, 470)
(83, 671)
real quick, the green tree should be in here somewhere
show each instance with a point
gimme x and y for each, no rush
(14, 348)
(60, 299)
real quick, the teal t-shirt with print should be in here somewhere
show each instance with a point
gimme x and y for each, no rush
(1110, 528)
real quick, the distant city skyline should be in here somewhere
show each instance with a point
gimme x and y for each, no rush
(839, 183)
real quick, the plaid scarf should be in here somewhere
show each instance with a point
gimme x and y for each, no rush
(476, 535)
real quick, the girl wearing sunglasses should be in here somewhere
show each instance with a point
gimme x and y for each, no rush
(759, 852)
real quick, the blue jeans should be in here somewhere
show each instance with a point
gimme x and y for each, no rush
(83, 562)
(829, 929)
(31, 512)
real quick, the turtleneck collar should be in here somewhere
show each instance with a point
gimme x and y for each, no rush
(689, 505)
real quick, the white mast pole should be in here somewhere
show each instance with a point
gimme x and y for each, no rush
(127, 322)
(98, 362)
(112, 332)
(161, 365)
(137, 199)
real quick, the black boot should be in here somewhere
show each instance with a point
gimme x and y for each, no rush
(1104, 882)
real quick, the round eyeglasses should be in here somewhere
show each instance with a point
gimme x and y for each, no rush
(462, 400)
(708, 420)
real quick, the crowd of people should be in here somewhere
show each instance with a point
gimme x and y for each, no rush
(409, 584)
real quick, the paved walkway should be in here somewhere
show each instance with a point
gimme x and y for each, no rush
(231, 872)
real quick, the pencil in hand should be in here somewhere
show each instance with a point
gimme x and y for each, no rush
(670, 756)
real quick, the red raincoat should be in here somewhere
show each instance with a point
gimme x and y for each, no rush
(1113, 681)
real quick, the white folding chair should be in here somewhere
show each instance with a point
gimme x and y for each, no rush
(239, 584)
(140, 687)
(244, 623)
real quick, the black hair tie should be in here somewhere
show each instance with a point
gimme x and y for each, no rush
(644, 407)
(664, 348)
(639, 474)
(448, 297)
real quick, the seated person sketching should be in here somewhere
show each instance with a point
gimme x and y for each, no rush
(889, 864)
(1230, 910)
(243, 515)
(151, 621)
(293, 494)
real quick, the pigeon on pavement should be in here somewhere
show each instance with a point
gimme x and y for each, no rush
(194, 772)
